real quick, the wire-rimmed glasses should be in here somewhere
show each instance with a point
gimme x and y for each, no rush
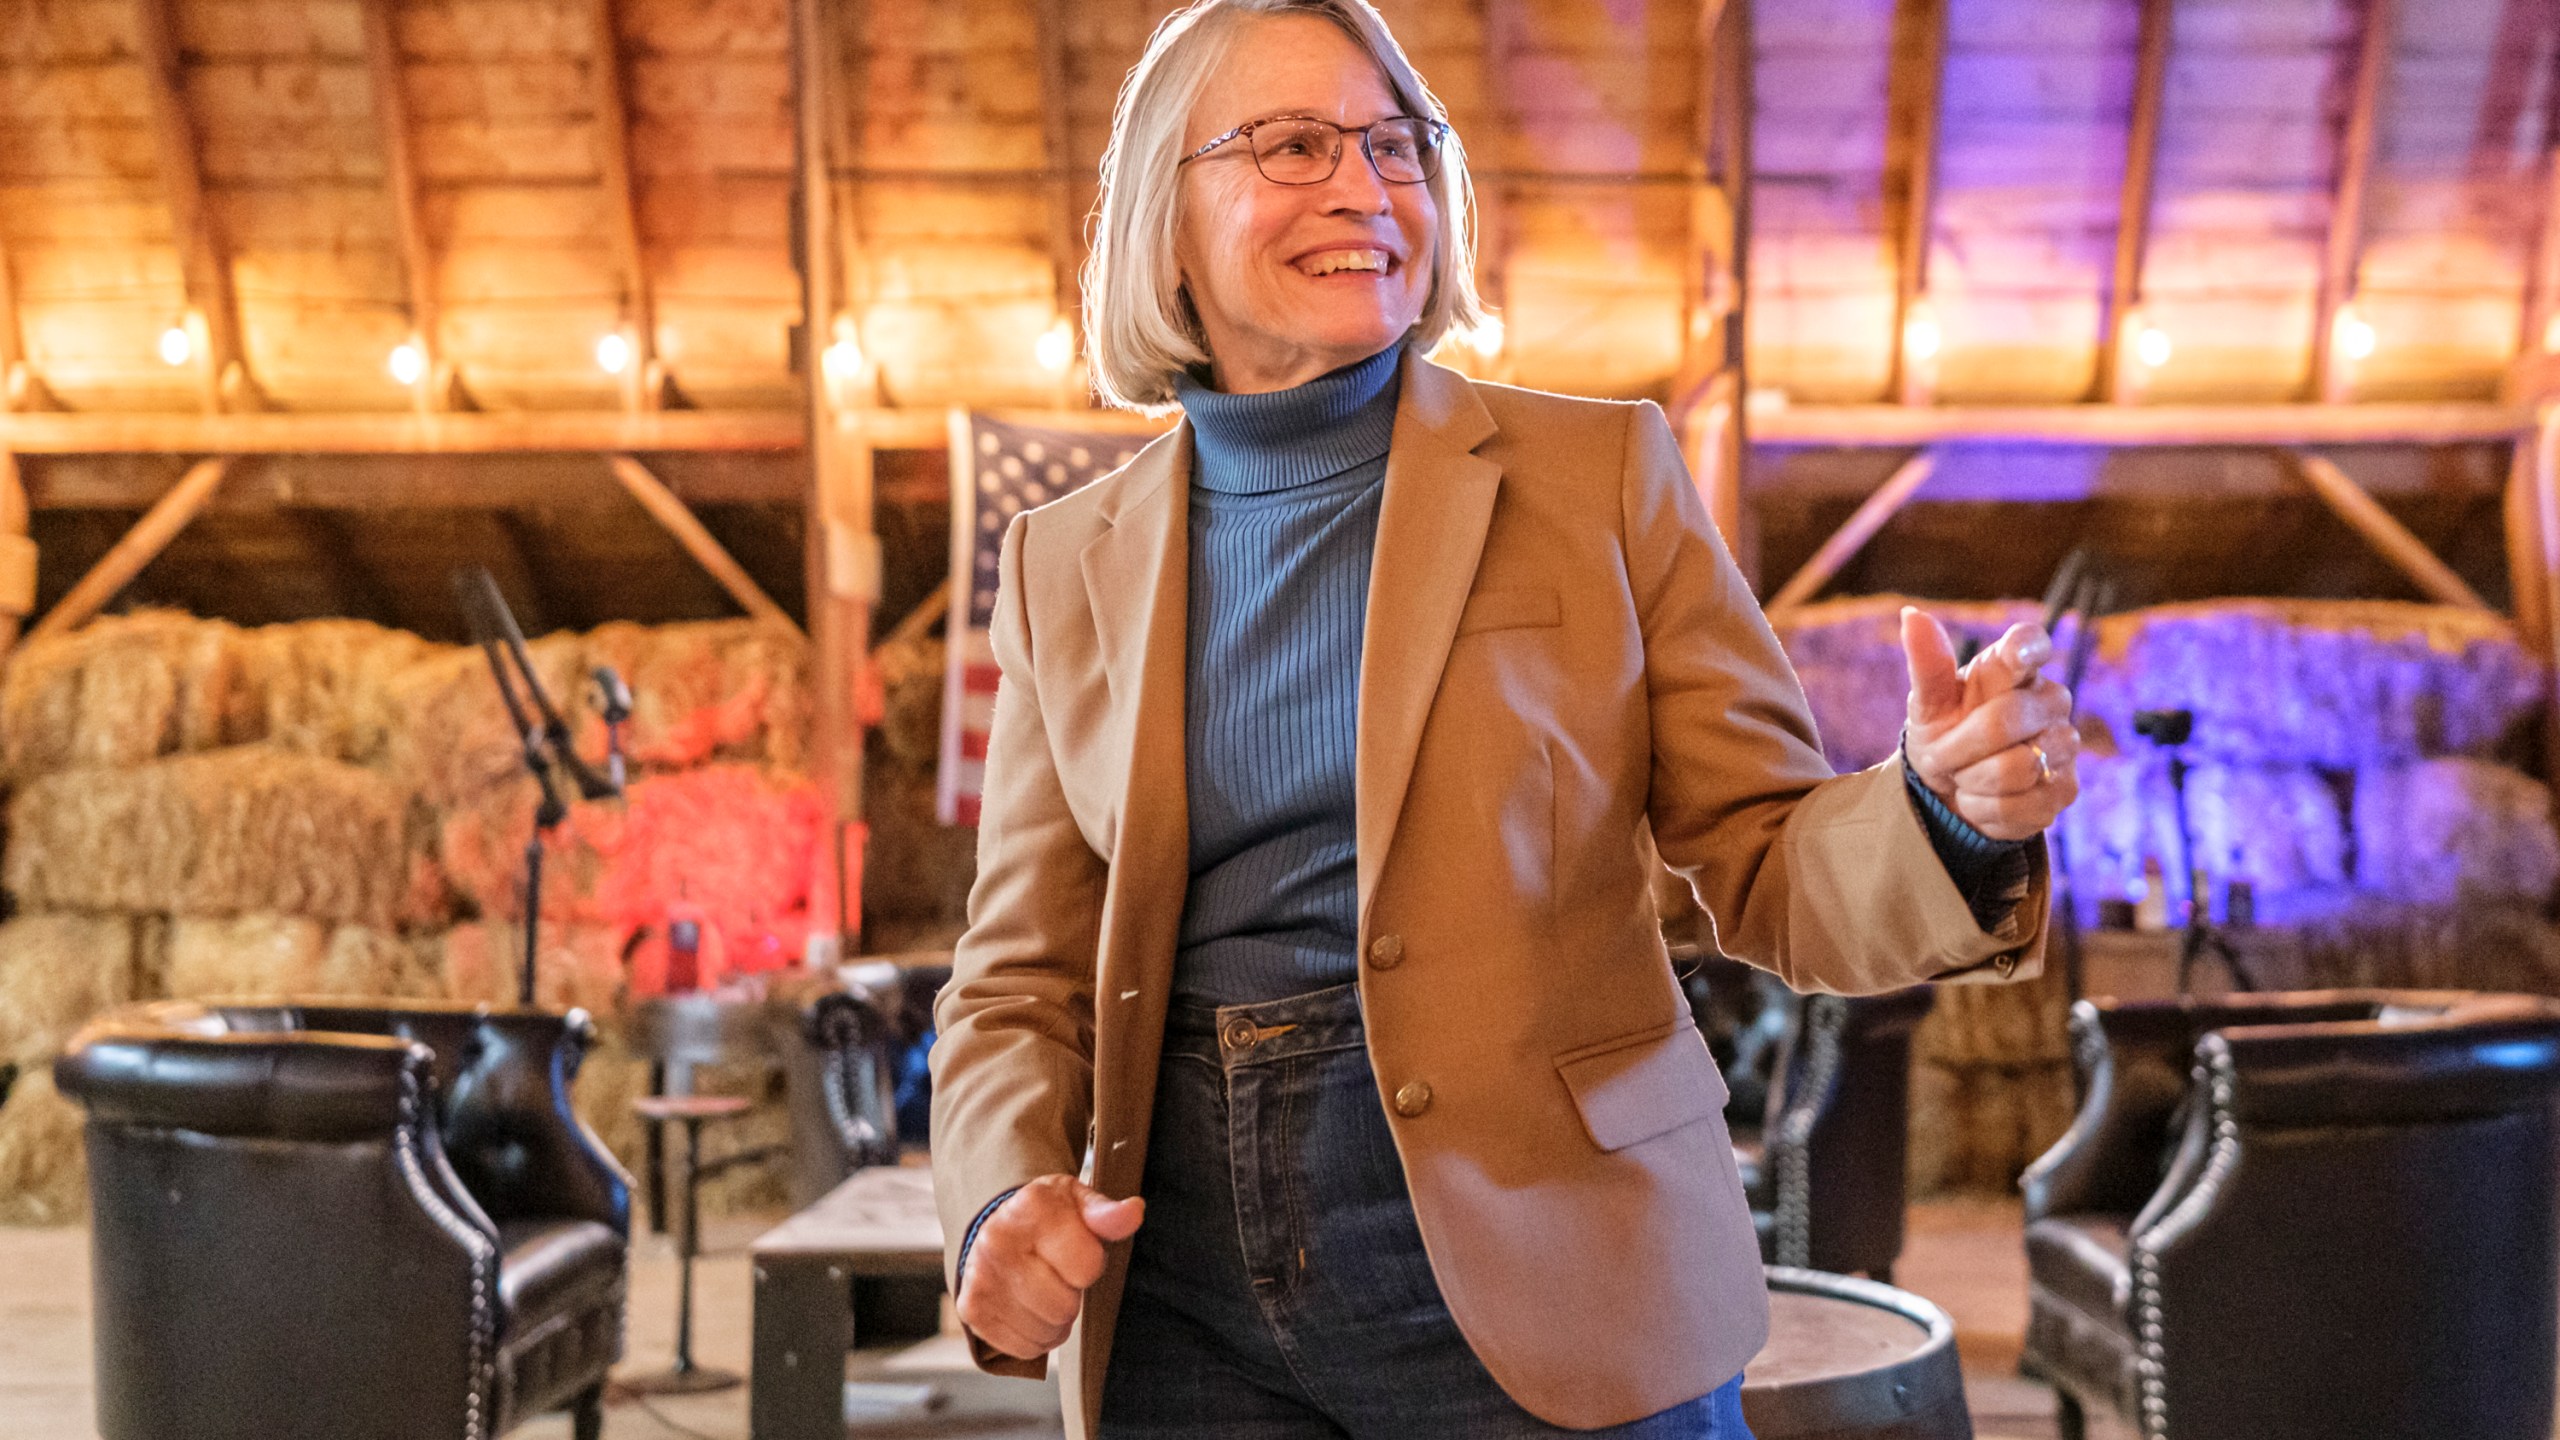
(1303, 150)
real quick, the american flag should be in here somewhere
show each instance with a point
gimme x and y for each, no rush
(998, 470)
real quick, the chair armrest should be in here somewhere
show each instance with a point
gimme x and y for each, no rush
(250, 1086)
(2132, 1064)
(511, 1131)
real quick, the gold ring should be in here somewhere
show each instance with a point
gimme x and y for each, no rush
(2044, 766)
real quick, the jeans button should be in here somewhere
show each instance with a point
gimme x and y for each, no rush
(1412, 1099)
(1239, 1034)
(1386, 952)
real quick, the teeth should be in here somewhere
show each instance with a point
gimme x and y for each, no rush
(1333, 260)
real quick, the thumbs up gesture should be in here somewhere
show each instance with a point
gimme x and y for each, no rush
(1994, 738)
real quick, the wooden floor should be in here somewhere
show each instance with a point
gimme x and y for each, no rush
(1963, 1254)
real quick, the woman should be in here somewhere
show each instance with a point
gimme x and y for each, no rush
(1311, 1065)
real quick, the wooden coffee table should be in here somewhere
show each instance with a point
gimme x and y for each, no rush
(880, 1222)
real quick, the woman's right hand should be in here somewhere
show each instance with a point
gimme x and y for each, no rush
(1035, 1257)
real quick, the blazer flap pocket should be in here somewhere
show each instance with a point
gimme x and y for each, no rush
(1502, 609)
(1638, 1086)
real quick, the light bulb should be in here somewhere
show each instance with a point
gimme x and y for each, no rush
(1487, 337)
(842, 359)
(1056, 347)
(177, 347)
(1920, 337)
(2355, 336)
(2551, 337)
(613, 354)
(2151, 346)
(408, 363)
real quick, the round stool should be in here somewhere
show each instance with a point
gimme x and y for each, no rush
(1851, 1359)
(691, 1111)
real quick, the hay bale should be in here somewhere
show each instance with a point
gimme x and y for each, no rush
(1978, 1127)
(722, 690)
(1848, 656)
(580, 965)
(121, 691)
(2439, 830)
(911, 682)
(323, 687)
(281, 956)
(44, 1176)
(2278, 828)
(2022, 1023)
(606, 1083)
(742, 846)
(56, 971)
(236, 831)
(453, 743)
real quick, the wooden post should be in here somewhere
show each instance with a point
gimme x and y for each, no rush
(844, 550)
(1705, 272)
(1922, 82)
(17, 555)
(2532, 602)
(434, 387)
(2386, 535)
(2546, 507)
(2133, 211)
(1708, 393)
(1066, 228)
(140, 546)
(1863, 523)
(643, 378)
(204, 262)
(2345, 248)
(2536, 370)
(19, 388)
(669, 510)
(1494, 199)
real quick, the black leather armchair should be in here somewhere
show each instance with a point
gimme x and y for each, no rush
(321, 1221)
(1827, 1170)
(2319, 1214)
(842, 1045)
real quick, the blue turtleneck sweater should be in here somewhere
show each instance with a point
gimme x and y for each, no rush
(1285, 488)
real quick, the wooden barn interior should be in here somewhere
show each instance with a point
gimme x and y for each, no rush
(2223, 333)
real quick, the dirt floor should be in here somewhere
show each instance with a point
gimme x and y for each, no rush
(1963, 1254)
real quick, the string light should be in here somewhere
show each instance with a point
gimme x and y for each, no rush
(408, 363)
(1920, 336)
(2551, 336)
(2355, 335)
(1486, 340)
(2151, 346)
(613, 354)
(1056, 347)
(842, 359)
(177, 347)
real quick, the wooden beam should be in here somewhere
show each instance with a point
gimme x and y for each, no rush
(203, 261)
(1862, 525)
(533, 481)
(17, 555)
(1495, 224)
(1066, 222)
(19, 388)
(2525, 548)
(1920, 56)
(2122, 305)
(2388, 536)
(400, 179)
(2344, 251)
(2546, 504)
(140, 546)
(1896, 427)
(2536, 371)
(668, 510)
(643, 379)
(1705, 279)
(321, 433)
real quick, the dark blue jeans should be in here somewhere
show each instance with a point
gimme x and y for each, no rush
(1278, 1289)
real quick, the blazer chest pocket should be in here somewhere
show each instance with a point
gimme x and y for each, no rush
(1638, 1086)
(1510, 609)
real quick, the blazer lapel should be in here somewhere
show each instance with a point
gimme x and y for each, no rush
(1431, 528)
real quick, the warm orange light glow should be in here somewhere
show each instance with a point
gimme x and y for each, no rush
(1056, 347)
(2354, 335)
(408, 363)
(177, 347)
(2151, 346)
(613, 354)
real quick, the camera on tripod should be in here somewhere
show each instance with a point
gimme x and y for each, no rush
(2165, 727)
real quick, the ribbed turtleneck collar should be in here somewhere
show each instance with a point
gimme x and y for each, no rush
(1255, 444)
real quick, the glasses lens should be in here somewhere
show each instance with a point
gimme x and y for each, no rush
(1296, 152)
(1406, 151)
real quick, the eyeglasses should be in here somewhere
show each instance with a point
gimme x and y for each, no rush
(1302, 150)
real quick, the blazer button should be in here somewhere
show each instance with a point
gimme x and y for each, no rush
(1413, 1099)
(1386, 952)
(2006, 962)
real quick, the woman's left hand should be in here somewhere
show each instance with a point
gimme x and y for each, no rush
(1993, 739)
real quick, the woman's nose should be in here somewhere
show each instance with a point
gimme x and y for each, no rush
(1355, 184)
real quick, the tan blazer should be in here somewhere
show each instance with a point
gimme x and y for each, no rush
(1558, 651)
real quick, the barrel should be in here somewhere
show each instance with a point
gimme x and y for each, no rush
(1850, 1359)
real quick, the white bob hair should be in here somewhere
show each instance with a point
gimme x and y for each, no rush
(1141, 330)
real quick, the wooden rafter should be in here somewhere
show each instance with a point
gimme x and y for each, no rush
(140, 546)
(400, 178)
(670, 511)
(1066, 221)
(17, 380)
(2536, 371)
(1897, 426)
(2525, 581)
(1495, 197)
(2391, 539)
(2123, 299)
(643, 380)
(2344, 250)
(204, 261)
(2546, 511)
(1853, 535)
(1920, 52)
(17, 555)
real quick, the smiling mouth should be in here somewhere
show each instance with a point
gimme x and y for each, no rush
(1339, 262)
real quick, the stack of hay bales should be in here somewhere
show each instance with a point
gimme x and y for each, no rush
(200, 810)
(2353, 764)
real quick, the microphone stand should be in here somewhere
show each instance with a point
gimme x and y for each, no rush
(2079, 589)
(544, 735)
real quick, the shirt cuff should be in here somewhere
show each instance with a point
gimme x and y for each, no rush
(960, 1271)
(1990, 874)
